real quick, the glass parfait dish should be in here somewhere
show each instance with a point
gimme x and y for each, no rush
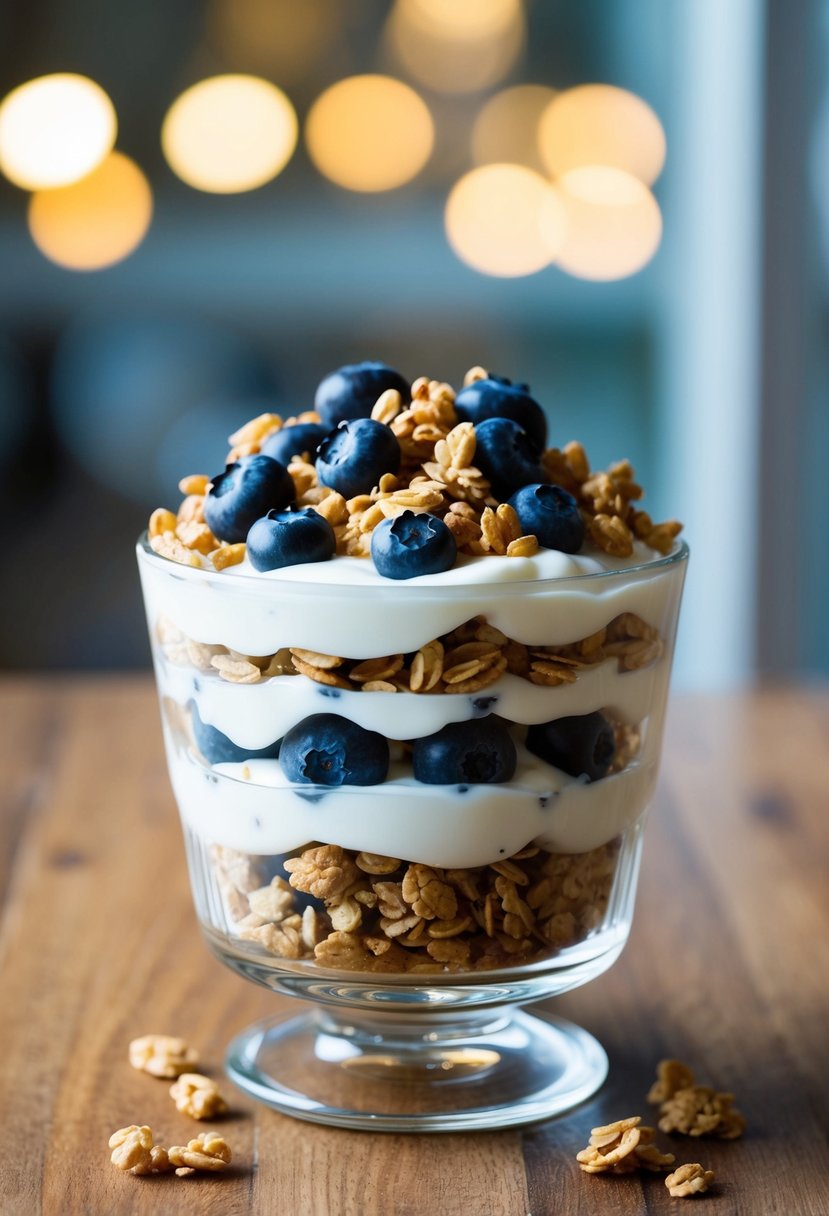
(415, 917)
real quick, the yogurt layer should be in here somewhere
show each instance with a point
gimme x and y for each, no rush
(253, 809)
(344, 607)
(254, 716)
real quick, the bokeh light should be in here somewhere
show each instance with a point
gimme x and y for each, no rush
(96, 221)
(229, 133)
(506, 129)
(280, 39)
(456, 46)
(463, 19)
(613, 226)
(369, 133)
(504, 220)
(598, 124)
(54, 130)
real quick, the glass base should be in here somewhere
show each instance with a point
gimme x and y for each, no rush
(384, 1073)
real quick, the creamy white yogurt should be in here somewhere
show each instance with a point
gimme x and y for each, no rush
(449, 826)
(344, 607)
(359, 615)
(255, 715)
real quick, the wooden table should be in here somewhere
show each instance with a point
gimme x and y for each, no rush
(727, 968)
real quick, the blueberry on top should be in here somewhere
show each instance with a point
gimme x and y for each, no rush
(479, 752)
(351, 391)
(412, 544)
(294, 440)
(245, 492)
(506, 455)
(218, 749)
(496, 397)
(353, 458)
(290, 538)
(326, 749)
(552, 514)
(583, 745)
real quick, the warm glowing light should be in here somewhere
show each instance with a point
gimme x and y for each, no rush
(614, 224)
(278, 38)
(456, 46)
(369, 133)
(597, 124)
(506, 130)
(504, 220)
(95, 221)
(54, 130)
(463, 19)
(227, 134)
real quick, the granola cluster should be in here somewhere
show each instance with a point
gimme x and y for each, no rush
(692, 1109)
(686, 1108)
(470, 658)
(382, 914)
(622, 1148)
(162, 1055)
(134, 1152)
(438, 474)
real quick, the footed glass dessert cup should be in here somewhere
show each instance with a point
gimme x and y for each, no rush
(417, 806)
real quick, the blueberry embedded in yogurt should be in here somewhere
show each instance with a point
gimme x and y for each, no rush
(290, 538)
(582, 745)
(217, 748)
(411, 544)
(496, 397)
(351, 391)
(353, 458)
(245, 492)
(552, 514)
(479, 752)
(295, 440)
(506, 455)
(325, 749)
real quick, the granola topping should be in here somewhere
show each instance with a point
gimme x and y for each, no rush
(438, 475)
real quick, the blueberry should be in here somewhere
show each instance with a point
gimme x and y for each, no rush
(350, 392)
(326, 749)
(412, 544)
(465, 753)
(290, 538)
(355, 456)
(581, 746)
(218, 749)
(506, 455)
(551, 514)
(245, 492)
(294, 440)
(496, 397)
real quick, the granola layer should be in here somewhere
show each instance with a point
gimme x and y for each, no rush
(358, 911)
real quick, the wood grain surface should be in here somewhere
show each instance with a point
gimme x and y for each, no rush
(727, 968)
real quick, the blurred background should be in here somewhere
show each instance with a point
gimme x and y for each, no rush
(207, 206)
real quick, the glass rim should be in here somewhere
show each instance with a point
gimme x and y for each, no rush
(679, 555)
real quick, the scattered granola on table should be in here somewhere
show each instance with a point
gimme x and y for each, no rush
(134, 1152)
(198, 1096)
(162, 1055)
(622, 1148)
(691, 1109)
(689, 1180)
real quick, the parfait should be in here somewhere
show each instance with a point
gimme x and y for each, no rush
(413, 664)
